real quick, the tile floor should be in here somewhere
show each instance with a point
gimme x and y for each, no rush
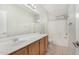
(58, 50)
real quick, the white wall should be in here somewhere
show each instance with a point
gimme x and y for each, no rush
(19, 21)
(77, 26)
(43, 18)
(55, 24)
(71, 25)
(77, 22)
(57, 31)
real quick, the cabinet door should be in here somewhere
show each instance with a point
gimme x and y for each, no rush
(19, 52)
(31, 49)
(42, 47)
(26, 51)
(34, 48)
(46, 43)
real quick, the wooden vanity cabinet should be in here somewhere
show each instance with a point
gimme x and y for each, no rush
(34, 48)
(38, 47)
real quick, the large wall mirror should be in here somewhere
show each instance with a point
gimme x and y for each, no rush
(16, 19)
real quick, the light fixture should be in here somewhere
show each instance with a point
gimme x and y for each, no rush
(77, 15)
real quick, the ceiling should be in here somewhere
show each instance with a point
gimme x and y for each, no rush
(55, 9)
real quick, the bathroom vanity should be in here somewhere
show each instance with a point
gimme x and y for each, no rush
(38, 47)
(31, 46)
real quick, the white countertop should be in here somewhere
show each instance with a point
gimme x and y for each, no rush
(7, 45)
